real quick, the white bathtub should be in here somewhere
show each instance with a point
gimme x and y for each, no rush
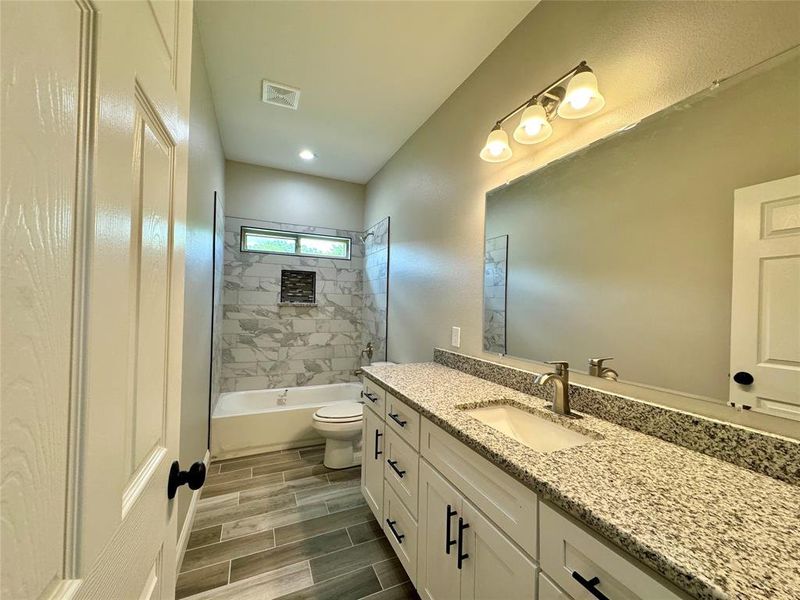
(257, 421)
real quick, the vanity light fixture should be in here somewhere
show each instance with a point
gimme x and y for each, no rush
(579, 99)
(496, 148)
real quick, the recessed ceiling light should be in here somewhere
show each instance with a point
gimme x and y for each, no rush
(307, 155)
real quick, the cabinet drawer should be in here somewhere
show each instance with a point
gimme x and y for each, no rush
(374, 397)
(401, 470)
(508, 503)
(401, 529)
(569, 552)
(403, 419)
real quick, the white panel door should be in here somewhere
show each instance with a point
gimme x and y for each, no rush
(494, 568)
(372, 463)
(765, 321)
(42, 115)
(96, 99)
(438, 577)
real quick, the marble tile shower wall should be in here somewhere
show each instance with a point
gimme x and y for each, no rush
(495, 261)
(270, 346)
(217, 316)
(376, 291)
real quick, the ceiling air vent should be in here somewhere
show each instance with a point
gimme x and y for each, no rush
(280, 95)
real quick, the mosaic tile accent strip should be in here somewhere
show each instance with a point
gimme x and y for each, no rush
(712, 528)
(298, 287)
(495, 259)
(772, 455)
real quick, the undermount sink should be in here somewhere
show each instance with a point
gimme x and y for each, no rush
(535, 432)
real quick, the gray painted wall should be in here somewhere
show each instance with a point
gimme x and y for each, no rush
(254, 192)
(647, 55)
(206, 176)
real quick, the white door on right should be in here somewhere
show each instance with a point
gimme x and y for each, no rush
(765, 311)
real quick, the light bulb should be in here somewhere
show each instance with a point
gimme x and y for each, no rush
(582, 97)
(534, 125)
(496, 148)
(307, 155)
(532, 128)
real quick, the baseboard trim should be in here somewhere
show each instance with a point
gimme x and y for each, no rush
(183, 540)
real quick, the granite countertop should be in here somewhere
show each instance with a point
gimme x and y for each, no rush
(713, 529)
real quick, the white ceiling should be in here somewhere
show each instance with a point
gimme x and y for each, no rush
(370, 73)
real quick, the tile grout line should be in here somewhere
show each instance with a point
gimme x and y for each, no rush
(308, 560)
(370, 566)
(203, 567)
(319, 534)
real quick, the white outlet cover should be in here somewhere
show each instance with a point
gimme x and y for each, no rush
(455, 337)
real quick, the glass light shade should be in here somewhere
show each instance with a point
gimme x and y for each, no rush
(533, 126)
(582, 98)
(496, 148)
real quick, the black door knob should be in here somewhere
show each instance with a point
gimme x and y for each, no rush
(743, 378)
(195, 477)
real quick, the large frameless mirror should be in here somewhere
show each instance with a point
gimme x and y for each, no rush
(672, 246)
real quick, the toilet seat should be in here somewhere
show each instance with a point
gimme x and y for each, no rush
(341, 412)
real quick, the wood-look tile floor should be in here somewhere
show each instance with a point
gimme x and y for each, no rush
(281, 525)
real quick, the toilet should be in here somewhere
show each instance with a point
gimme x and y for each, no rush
(340, 425)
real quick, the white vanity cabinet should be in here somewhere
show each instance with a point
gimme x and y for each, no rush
(493, 566)
(438, 576)
(372, 462)
(581, 563)
(464, 529)
(461, 553)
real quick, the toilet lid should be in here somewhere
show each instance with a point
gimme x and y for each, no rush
(341, 411)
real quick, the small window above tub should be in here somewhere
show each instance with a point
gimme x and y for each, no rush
(270, 241)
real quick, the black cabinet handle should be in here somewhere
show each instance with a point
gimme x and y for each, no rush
(396, 418)
(448, 542)
(461, 527)
(378, 436)
(744, 378)
(590, 585)
(393, 464)
(398, 536)
(195, 477)
(371, 397)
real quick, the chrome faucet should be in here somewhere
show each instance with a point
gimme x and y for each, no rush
(282, 397)
(560, 378)
(368, 351)
(596, 368)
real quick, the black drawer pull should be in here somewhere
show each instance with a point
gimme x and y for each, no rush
(396, 418)
(393, 464)
(398, 536)
(448, 542)
(590, 585)
(371, 397)
(378, 436)
(461, 527)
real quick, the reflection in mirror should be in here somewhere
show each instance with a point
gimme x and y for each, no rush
(494, 294)
(672, 246)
